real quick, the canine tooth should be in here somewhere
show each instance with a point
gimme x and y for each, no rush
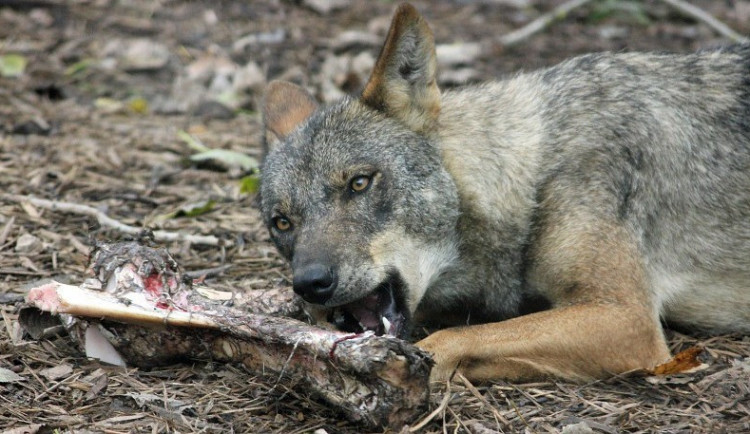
(386, 324)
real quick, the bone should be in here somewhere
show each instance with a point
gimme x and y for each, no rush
(378, 381)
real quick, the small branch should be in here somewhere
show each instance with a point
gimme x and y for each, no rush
(153, 317)
(378, 381)
(107, 221)
(703, 16)
(564, 9)
(474, 391)
(6, 230)
(440, 408)
(540, 23)
(207, 272)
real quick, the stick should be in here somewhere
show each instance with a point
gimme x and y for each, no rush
(207, 272)
(474, 391)
(564, 9)
(540, 23)
(148, 314)
(440, 408)
(378, 381)
(704, 17)
(107, 221)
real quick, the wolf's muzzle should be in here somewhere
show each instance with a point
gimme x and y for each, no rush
(315, 282)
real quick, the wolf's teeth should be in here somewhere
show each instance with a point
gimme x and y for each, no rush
(338, 316)
(386, 324)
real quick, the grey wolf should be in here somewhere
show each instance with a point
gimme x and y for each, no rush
(551, 220)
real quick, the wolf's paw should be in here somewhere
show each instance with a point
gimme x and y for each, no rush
(445, 351)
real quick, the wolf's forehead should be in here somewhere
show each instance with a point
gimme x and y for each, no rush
(328, 149)
(298, 176)
(331, 145)
(312, 160)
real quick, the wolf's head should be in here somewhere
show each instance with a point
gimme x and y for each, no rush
(355, 195)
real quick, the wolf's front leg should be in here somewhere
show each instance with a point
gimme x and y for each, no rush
(578, 342)
(603, 320)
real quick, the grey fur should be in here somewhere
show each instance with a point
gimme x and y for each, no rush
(658, 143)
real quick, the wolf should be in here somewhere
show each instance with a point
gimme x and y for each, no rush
(549, 222)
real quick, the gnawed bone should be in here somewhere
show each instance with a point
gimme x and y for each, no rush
(153, 319)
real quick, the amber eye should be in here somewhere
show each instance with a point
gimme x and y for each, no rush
(282, 223)
(358, 184)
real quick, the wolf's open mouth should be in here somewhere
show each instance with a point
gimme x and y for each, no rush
(382, 311)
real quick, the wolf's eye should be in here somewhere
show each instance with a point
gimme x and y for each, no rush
(359, 184)
(282, 223)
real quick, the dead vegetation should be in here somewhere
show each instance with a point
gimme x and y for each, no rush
(94, 120)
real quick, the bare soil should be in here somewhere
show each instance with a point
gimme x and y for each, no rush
(84, 123)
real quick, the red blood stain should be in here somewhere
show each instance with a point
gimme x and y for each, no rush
(153, 284)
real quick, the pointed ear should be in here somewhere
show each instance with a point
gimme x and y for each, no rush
(285, 107)
(403, 82)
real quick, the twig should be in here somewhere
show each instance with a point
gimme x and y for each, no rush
(105, 220)
(540, 23)
(379, 381)
(6, 230)
(702, 16)
(564, 9)
(474, 391)
(207, 272)
(282, 371)
(440, 408)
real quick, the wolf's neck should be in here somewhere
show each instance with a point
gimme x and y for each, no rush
(490, 138)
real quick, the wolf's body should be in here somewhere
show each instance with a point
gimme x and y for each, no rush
(569, 209)
(658, 145)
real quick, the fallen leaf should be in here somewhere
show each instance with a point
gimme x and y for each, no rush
(28, 244)
(140, 54)
(26, 429)
(108, 105)
(31, 210)
(97, 387)
(138, 105)
(224, 157)
(324, 7)
(78, 67)
(683, 362)
(8, 376)
(94, 376)
(193, 142)
(228, 158)
(670, 379)
(144, 399)
(12, 65)
(56, 372)
(250, 184)
(191, 210)
(228, 98)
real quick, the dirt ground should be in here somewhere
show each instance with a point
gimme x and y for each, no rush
(97, 117)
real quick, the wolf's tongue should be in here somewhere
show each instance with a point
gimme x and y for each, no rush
(370, 320)
(369, 310)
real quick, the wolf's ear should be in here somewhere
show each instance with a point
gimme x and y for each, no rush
(403, 83)
(285, 107)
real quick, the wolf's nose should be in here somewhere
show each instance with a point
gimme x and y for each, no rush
(315, 283)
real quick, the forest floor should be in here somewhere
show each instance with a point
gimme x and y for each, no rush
(94, 110)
